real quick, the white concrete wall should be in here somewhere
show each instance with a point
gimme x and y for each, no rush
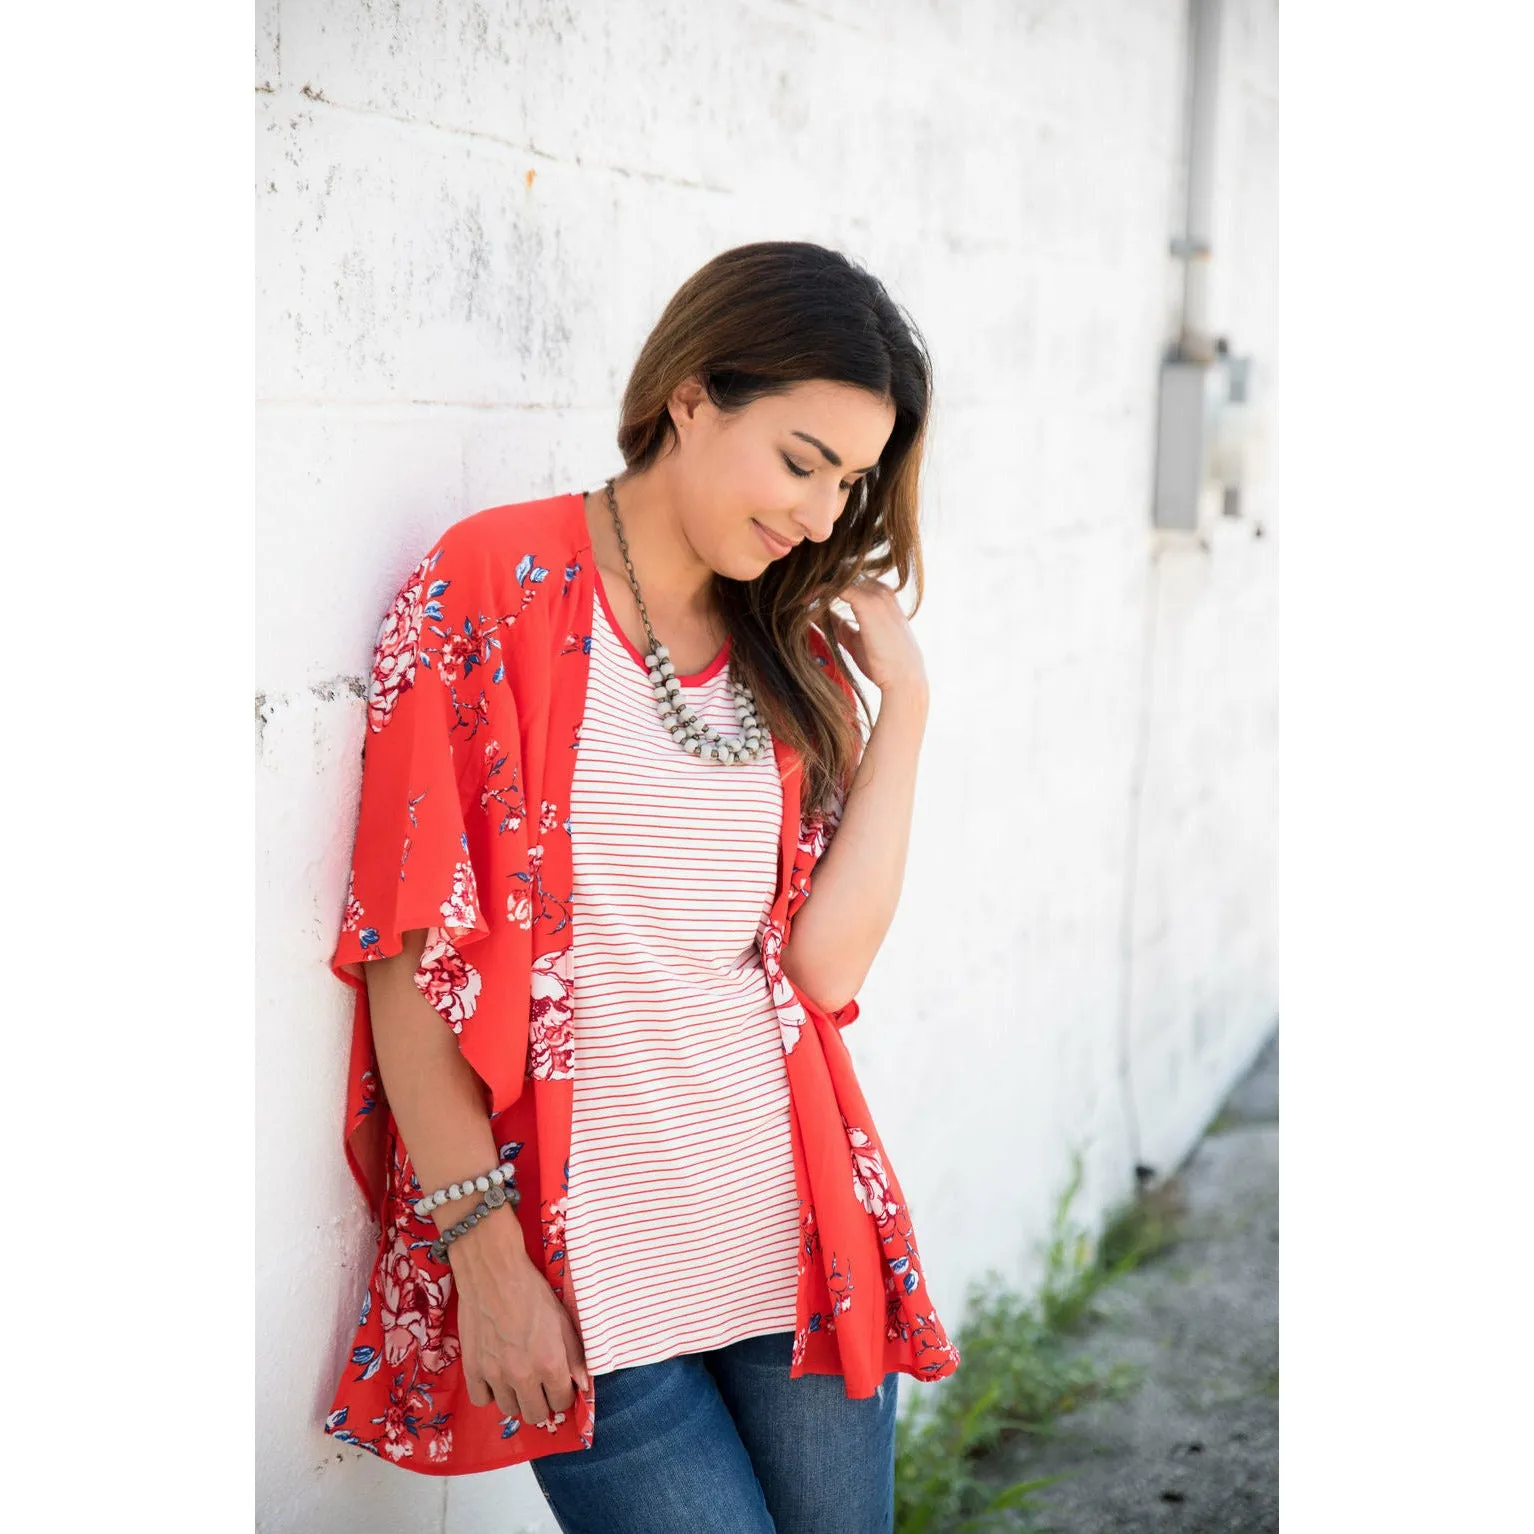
(469, 215)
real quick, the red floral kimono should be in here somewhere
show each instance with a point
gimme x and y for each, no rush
(473, 722)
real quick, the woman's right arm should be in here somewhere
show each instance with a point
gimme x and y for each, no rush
(519, 1344)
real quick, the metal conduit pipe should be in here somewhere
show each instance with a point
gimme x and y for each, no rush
(1204, 16)
(1204, 415)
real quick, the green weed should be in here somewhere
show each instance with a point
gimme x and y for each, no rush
(1018, 1375)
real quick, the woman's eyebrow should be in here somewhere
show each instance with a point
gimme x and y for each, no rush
(834, 459)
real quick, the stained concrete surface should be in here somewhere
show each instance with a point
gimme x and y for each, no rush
(1194, 1447)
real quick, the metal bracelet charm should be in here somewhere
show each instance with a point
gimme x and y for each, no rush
(496, 1198)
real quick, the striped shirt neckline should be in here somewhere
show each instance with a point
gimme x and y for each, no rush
(696, 678)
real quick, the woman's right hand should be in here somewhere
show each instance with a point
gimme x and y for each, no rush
(519, 1344)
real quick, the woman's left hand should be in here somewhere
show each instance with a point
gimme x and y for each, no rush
(880, 643)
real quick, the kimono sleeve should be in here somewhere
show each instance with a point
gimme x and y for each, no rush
(423, 769)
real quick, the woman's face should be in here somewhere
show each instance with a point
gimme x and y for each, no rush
(785, 465)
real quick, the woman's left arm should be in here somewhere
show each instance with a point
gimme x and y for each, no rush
(855, 886)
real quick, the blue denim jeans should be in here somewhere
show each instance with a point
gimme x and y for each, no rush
(725, 1442)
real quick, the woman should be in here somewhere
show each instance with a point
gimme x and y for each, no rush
(616, 717)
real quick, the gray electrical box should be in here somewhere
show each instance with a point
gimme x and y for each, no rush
(1200, 438)
(1189, 398)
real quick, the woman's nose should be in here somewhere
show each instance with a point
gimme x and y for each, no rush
(818, 515)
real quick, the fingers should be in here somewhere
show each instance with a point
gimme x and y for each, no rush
(506, 1400)
(579, 1374)
(531, 1401)
(575, 1352)
(869, 588)
(536, 1395)
(536, 1405)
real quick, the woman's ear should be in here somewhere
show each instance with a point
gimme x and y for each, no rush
(685, 401)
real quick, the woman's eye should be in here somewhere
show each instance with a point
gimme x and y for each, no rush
(794, 469)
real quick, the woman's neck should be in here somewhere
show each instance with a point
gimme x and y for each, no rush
(673, 580)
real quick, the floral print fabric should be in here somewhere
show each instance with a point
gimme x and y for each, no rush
(473, 721)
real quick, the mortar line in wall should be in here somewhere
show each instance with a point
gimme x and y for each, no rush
(336, 402)
(319, 98)
(350, 684)
(1138, 772)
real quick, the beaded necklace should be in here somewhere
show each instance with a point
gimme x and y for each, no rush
(680, 719)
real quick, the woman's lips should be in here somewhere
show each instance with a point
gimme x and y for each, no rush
(776, 546)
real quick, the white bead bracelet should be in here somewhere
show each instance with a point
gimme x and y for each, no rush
(504, 1173)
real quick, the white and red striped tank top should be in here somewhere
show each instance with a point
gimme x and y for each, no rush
(681, 1229)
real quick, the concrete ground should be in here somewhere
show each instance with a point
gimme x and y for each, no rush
(1194, 1447)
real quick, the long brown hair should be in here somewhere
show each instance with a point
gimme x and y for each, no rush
(755, 321)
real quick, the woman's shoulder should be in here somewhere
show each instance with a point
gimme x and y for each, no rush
(507, 560)
(505, 578)
(549, 529)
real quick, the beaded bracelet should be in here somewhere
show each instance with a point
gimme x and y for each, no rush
(496, 1198)
(504, 1173)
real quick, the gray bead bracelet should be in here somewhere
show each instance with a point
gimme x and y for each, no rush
(496, 1198)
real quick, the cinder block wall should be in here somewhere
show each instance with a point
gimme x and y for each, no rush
(468, 217)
